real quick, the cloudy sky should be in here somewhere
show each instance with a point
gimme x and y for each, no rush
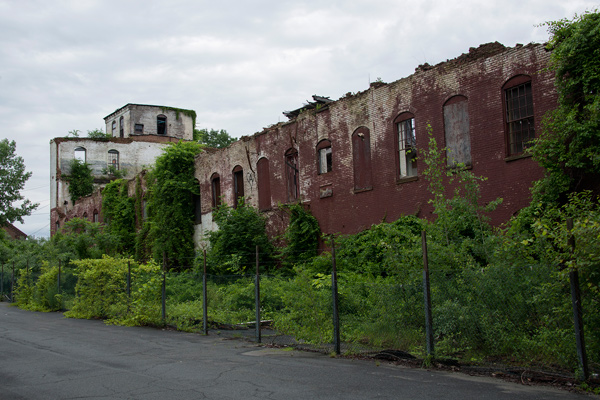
(65, 65)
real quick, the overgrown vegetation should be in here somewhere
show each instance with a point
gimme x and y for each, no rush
(171, 185)
(118, 212)
(81, 181)
(568, 145)
(213, 138)
(233, 245)
(499, 295)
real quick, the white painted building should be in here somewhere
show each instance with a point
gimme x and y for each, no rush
(139, 134)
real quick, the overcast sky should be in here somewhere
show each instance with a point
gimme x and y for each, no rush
(65, 65)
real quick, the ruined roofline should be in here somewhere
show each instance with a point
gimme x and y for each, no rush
(145, 105)
(150, 138)
(485, 50)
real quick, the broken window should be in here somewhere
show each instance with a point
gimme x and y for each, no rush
(139, 128)
(113, 159)
(80, 154)
(197, 205)
(238, 185)
(215, 184)
(121, 128)
(519, 114)
(456, 130)
(114, 127)
(161, 125)
(95, 216)
(291, 172)
(57, 227)
(264, 184)
(325, 160)
(406, 145)
(361, 155)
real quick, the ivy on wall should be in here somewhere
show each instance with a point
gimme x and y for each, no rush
(118, 212)
(81, 181)
(170, 224)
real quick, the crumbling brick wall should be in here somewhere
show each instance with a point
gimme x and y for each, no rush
(477, 76)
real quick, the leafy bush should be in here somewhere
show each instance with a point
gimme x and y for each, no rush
(100, 290)
(233, 246)
(81, 181)
(301, 236)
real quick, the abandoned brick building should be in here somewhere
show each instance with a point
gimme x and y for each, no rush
(355, 161)
(138, 135)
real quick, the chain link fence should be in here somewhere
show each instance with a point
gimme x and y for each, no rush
(486, 319)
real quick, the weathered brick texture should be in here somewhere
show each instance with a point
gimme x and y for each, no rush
(478, 76)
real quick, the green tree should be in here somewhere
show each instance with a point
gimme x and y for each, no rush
(171, 208)
(12, 181)
(119, 212)
(568, 147)
(233, 246)
(81, 181)
(213, 138)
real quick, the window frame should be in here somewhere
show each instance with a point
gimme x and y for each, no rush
(361, 159)
(114, 159)
(401, 149)
(462, 146)
(238, 183)
(263, 177)
(324, 157)
(80, 149)
(161, 125)
(292, 174)
(215, 189)
(513, 147)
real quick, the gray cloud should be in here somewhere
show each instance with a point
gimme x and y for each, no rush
(67, 64)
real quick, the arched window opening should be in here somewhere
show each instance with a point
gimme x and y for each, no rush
(518, 103)
(80, 154)
(113, 159)
(238, 184)
(114, 128)
(161, 124)
(292, 174)
(95, 216)
(215, 184)
(361, 155)
(324, 157)
(264, 184)
(406, 145)
(456, 131)
(121, 128)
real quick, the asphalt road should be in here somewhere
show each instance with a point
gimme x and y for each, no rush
(46, 356)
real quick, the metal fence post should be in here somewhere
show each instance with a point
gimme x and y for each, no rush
(58, 279)
(2, 284)
(577, 310)
(334, 289)
(257, 298)
(164, 289)
(129, 280)
(427, 297)
(12, 284)
(204, 299)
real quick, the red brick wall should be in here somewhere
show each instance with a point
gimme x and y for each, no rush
(474, 76)
(478, 76)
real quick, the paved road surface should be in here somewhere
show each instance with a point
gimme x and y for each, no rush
(46, 356)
